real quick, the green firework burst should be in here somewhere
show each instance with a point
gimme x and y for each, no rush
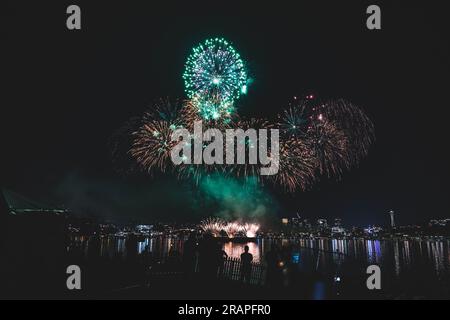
(215, 77)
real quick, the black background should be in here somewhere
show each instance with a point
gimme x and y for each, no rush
(64, 93)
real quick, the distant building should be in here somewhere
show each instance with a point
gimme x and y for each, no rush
(337, 231)
(306, 224)
(373, 231)
(144, 228)
(433, 222)
(296, 222)
(357, 232)
(440, 222)
(322, 223)
(391, 214)
(338, 222)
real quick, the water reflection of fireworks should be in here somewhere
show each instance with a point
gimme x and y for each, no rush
(234, 250)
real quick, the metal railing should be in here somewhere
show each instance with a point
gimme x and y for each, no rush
(232, 270)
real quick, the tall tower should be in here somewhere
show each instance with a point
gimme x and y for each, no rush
(392, 213)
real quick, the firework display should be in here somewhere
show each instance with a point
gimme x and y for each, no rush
(218, 227)
(152, 141)
(214, 78)
(297, 165)
(316, 138)
(248, 169)
(337, 132)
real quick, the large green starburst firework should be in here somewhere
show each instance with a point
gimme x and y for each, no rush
(214, 78)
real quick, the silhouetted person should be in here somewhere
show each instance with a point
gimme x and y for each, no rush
(208, 257)
(221, 257)
(190, 255)
(273, 271)
(174, 258)
(94, 248)
(148, 257)
(147, 262)
(131, 247)
(246, 261)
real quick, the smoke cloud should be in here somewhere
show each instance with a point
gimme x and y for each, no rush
(164, 198)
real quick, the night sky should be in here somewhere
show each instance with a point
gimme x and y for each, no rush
(64, 94)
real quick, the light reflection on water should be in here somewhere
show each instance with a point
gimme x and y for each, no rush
(235, 250)
(393, 255)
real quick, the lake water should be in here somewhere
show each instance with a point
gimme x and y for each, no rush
(419, 268)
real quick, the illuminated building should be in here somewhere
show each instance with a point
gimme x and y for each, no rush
(322, 223)
(391, 213)
(337, 222)
(144, 228)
